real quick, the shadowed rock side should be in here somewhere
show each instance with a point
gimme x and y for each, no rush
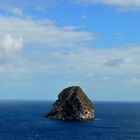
(72, 104)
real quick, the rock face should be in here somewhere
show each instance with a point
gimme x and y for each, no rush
(72, 104)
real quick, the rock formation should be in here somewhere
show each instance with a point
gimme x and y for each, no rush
(72, 104)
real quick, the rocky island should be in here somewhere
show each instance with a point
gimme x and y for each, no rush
(72, 104)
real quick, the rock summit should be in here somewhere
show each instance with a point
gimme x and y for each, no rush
(72, 104)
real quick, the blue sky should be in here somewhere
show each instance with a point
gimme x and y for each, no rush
(46, 46)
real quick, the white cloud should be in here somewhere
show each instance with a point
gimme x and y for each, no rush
(37, 34)
(83, 62)
(105, 79)
(133, 81)
(41, 9)
(92, 60)
(132, 4)
(10, 62)
(17, 11)
(114, 62)
(84, 16)
(12, 10)
(119, 36)
(11, 44)
(43, 31)
(29, 4)
(90, 75)
(78, 60)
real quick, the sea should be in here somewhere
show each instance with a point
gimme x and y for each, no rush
(24, 120)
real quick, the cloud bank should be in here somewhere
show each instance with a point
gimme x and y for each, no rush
(18, 35)
(43, 31)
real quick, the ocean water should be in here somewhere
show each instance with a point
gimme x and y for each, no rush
(23, 120)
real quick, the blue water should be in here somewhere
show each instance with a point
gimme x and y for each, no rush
(23, 120)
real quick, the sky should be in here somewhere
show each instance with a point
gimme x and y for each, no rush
(48, 45)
